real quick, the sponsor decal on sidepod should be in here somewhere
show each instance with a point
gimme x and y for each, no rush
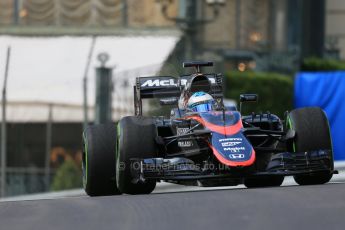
(181, 131)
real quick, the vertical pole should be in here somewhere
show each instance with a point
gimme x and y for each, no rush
(313, 28)
(103, 106)
(15, 12)
(86, 119)
(3, 127)
(57, 10)
(294, 18)
(48, 147)
(124, 13)
(191, 31)
(272, 17)
(238, 24)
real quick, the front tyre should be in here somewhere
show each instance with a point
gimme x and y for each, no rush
(135, 139)
(98, 160)
(312, 133)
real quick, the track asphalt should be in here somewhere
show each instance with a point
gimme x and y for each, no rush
(287, 207)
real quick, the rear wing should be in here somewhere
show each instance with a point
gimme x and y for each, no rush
(157, 87)
(168, 86)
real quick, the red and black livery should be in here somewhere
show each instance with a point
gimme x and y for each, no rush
(219, 147)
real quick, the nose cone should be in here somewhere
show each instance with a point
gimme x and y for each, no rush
(234, 150)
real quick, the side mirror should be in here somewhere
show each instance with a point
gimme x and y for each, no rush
(248, 98)
(168, 101)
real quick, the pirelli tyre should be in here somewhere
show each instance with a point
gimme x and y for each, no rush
(98, 160)
(312, 132)
(135, 139)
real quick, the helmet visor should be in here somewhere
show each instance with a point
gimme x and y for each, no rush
(202, 107)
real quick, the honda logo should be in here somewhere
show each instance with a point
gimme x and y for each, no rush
(236, 156)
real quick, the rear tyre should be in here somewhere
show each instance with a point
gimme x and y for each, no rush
(312, 133)
(98, 160)
(264, 181)
(135, 139)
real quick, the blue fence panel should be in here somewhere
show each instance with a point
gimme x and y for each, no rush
(326, 90)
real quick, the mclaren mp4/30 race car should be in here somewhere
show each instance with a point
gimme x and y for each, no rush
(203, 142)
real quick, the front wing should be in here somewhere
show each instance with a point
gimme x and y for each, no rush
(179, 168)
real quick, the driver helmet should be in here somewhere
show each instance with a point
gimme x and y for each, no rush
(200, 102)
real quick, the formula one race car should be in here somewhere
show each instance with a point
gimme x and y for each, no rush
(203, 142)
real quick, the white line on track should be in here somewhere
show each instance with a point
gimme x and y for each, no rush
(162, 187)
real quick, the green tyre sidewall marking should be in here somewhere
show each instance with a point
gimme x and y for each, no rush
(85, 167)
(330, 137)
(289, 125)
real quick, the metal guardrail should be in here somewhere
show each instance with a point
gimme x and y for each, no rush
(46, 196)
(21, 180)
(339, 165)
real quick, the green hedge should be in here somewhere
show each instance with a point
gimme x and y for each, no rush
(275, 91)
(318, 64)
(68, 176)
